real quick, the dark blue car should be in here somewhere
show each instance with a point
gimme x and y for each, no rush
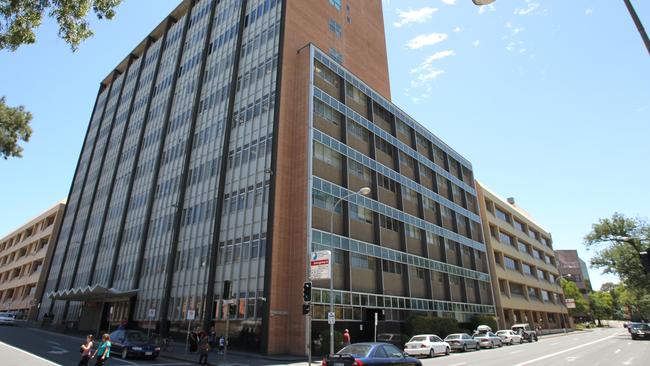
(375, 354)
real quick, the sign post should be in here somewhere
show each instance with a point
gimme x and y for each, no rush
(151, 313)
(191, 314)
(570, 303)
(321, 269)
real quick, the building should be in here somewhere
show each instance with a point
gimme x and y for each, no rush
(523, 265)
(574, 269)
(214, 153)
(25, 256)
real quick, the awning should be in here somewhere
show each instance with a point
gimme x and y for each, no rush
(92, 293)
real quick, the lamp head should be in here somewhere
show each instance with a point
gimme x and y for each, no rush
(364, 191)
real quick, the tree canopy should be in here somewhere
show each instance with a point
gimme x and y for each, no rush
(571, 291)
(601, 304)
(14, 126)
(19, 19)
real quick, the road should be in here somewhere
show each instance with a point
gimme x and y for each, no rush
(604, 347)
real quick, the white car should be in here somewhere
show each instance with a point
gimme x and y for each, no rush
(7, 319)
(509, 337)
(426, 345)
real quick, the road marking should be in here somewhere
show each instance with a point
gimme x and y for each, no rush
(513, 352)
(571, 358)
(628, 362)
(553, 344)
(564, 351)
(54, 343)
(57, 350)
(30, 354)
(459, 364)
(617, 351)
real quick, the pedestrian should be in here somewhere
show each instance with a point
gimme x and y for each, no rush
(346, 338)
(212, 339)
(204, 348)
(86, 350)
(123, 324)
(222, 344)
(103, 352)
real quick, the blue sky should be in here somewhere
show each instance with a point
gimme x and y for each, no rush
(548, 100)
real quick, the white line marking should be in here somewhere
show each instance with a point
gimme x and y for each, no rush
(30, 354)
(513, 352)
(628, 362)
(54, 343)
(564, 351)
(459, 364)
(617, 351)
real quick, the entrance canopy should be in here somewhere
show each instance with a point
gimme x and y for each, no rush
(91, 293)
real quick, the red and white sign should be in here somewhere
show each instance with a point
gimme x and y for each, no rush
(570, 303)
(321, 268)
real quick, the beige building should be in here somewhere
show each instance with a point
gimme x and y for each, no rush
(24, 258)
(522, 263)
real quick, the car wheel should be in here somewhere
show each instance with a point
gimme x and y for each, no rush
(125, 353)
(500, 344)
(432, 354)
(633, 337)
(464, 348)
(447, 351)
(478, 347)
(536, 339)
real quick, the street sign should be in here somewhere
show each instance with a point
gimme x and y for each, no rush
(321, 268)
(331, 319)
(151, 313)
(229, 302)
(570, 303)
(191, 314)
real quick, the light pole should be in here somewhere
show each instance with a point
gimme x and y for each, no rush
(363, 192)
(557, 280)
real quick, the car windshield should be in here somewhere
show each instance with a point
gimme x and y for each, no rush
(418, 339)
(356, 350)
(453, 336)
(644, 327)
(136, 336)
(384, 337)
(502, 332)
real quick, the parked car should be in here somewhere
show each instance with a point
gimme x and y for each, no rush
(7, 319)
(509, 337)
(373, 354)
(632, 326)
(392, 338)
(426, 345)
(128, 343)
(641, 331)
(525, 331)
(488, 340)
(462, 342)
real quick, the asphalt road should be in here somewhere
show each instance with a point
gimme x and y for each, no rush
(604, 347)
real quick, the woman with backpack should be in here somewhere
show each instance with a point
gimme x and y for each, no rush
(86, 351)
(103, 352)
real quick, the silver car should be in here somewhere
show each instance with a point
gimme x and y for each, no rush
(7, 319)
(488, 340)
(462, 342)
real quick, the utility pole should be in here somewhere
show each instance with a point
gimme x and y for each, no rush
(639, 25)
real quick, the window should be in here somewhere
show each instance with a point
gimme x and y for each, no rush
(532, 233)
(391, 267)
(403, 127)
(386, 183)
(541, 274)
(510, 263)
(326, 74)
(336, 55)
(336, 4)
(537, 254)
(419, 273)
(406, 160)
(505, 238)
(519, 225)
(501, 214)
(360, 213)
(409, 194)
(358, 131)
(326, 112)
(516, 289)
(546, 242)
(327, 155)
(355, 94)
(551, 278)
(412, 232)
(523, 247)
(532, 293)
(361, 261)
(335, 28)
(358, 170)
(324, 201)
(384, 146)
(527, 269)
(388, 223)
(545, 296)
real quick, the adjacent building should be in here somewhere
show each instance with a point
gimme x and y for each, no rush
(25, 256)
(215, 152)
(523, 265)
(574, 269)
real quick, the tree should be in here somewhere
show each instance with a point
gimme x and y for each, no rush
(617, 242)
(14, 126)
(571, 291)
(19, 19)
(601, 305)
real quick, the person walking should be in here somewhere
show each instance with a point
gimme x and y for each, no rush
(204, 348)
(346, 338)
(222, 344)
(212, 338)
(86, 351)
(103, 352)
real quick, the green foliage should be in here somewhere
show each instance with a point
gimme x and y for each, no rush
(418, 324)
(19, 19)
(571, 291)
(490, 321)
(324, 337)
(601, 304)
(14, 126)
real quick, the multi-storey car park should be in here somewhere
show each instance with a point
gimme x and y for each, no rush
(214, 153)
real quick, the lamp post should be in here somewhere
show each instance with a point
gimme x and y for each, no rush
(557, 280)
(363, 192)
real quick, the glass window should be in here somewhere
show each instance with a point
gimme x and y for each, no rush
(327, 155)
(326, 74)
(510, 263)
(532, 233)
(527, 269)
(386, 183)
(505, 238)
(501, 214)
(516, 289)
(523, 247)
(360, 213)
(409, 194)
(358, 131)
(519, 225)
(336, 4)
(326, 112)
(335, 28)
(362, 261)
(532, 293)
(355, 94)
(545, 296)
(391, 267)
(358, 170)
(336, 55)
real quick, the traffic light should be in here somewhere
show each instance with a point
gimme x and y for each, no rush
(306, 292)
(226, 290)
(305, 309)
(645, 261)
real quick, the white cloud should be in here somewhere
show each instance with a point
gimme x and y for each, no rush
(449, 2)
(514, 29)
(426, 40)
(427, 71)
(476, 43)
(589, 11)
(530, 9)
(485, 8)
(458, 29)
(511, 46)
(439, 55)
(414, 16)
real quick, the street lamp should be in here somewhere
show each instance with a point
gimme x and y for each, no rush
(557, 280)
(363, 192)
